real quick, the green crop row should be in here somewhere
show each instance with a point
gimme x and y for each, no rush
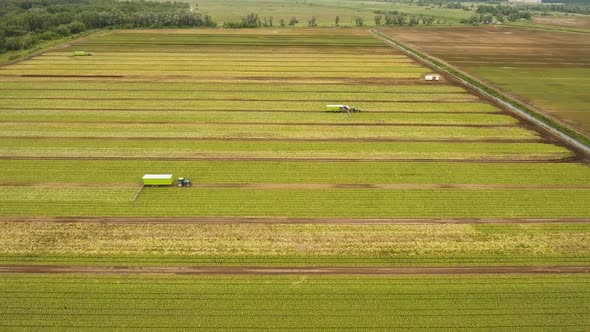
(197, 67)
(74, 148)
(15, 71)
(237, 39)
(221, 105)
(216, 86)
(367, 118)
(303, 203)
(263, 131)
(223, 87)
(289, 62)
(311, 303)
(557, 174)
(110, 52)
(294, 245)
(198, 96)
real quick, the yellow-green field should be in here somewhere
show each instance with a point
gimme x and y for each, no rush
(427, 176)
(208, 96)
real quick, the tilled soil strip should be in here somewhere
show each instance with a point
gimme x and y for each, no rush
(278, 139)
(572, 159)
(288, 220)
(234, 110)
(58, 269)
(297, 185)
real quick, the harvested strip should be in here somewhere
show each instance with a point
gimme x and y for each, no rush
(288, 271)
(294, 245)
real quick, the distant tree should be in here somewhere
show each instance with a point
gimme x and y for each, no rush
(312, 22)
(293, 21)
(359, 21)
(76, 27)
(413, 21)
(282, 20)
(208, 21)
(337, 20)
(400, 20)
(428, 20)
(250, 21)
(270, 19)
(25, 23)
(378, 19)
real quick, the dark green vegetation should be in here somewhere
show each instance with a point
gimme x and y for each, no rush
(279, 245)
(25, 23)
(238, 303)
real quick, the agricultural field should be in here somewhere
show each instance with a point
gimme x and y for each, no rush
(312, 303)
(546, 69)
(579, 23)
(324, 11)
(219, 106)
(295, 245)
(297, 218)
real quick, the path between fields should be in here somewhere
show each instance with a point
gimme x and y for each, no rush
(282, 139)
(289, 220)
(50, 269)
(569, 159)
(299, 185)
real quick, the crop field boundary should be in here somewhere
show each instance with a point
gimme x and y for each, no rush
(61, 269)
(569, 136)
(288, 220)
(320, 160)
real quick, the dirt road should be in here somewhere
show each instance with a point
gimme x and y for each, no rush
(48, 269)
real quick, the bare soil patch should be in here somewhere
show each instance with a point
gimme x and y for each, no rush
(573, 159)
(287, 220)
(580, 22)
(58, 269)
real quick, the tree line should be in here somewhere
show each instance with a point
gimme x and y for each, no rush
(25, 23)
(391, 18)
(488, 14)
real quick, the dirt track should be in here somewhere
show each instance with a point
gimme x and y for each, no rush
(297, 185)
(285, 159)
(49, 269)
(281, 139)
(287, 220)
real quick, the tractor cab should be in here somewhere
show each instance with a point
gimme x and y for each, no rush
(182, 182)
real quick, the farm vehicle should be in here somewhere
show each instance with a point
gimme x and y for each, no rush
(341, 109)
(182, 182)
